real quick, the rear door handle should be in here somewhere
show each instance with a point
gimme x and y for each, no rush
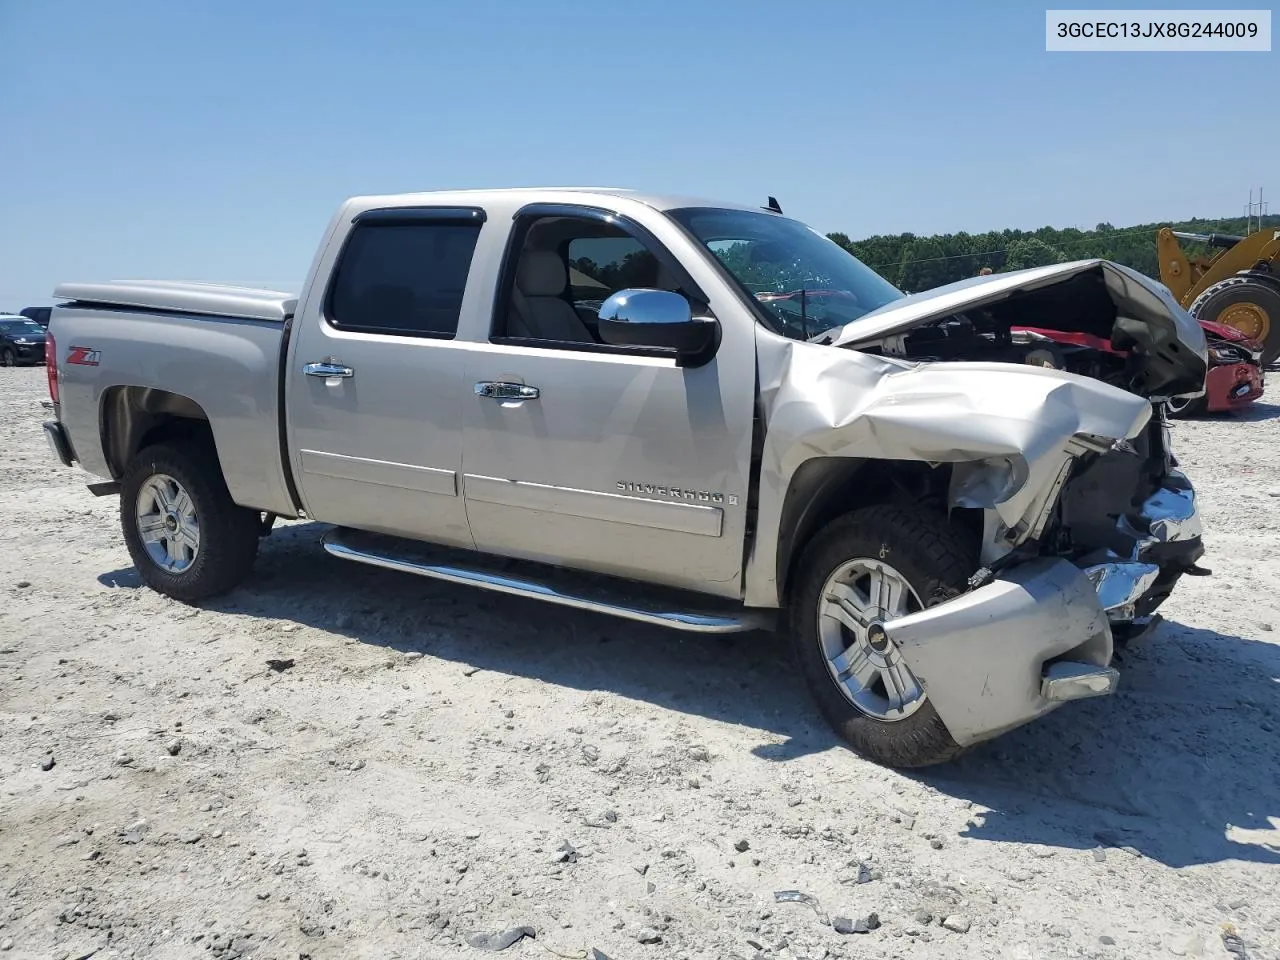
(506, 391)
(328, 368)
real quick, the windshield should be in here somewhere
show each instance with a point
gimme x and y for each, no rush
(21, 328)
(806, 284)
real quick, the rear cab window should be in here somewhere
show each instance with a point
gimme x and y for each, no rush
(404, 275)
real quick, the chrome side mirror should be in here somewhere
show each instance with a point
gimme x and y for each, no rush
(657, 318)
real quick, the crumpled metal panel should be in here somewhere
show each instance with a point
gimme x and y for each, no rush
(1148, 306)
(819, 401)
(981, 656)
(1172, 514)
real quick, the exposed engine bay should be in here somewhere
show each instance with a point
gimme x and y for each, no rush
(984, 337)
(1094, 319)
(1129, 510)
(1124, 514)
(1071, 326)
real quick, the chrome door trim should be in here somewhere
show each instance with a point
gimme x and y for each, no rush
(387, 473)
(694, 518)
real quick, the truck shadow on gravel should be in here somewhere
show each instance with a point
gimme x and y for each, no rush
(1181, 765)
(1258, 410)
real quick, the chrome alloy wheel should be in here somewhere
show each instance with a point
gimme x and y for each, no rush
(167, 523)
(865, 664)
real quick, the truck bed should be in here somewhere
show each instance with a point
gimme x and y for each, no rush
(189, 349)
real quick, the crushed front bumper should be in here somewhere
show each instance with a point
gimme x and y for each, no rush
(1041, 632)
(1163, 534)
(987, 658)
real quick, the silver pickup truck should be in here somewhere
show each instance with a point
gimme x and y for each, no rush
(701, 415)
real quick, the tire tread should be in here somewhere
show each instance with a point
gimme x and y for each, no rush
(930, 545)
(1264, 281)
(228, 531)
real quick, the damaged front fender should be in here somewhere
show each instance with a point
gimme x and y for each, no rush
(1019, 422)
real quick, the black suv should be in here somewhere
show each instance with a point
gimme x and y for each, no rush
(21, 341)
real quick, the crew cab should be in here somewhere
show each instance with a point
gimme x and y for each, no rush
(631, 404)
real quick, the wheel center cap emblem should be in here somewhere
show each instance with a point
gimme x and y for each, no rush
(171, 522)
(878, 639)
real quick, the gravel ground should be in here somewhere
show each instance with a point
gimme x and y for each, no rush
(440, 763)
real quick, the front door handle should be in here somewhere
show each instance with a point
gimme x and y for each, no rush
(328, 368)
(506, 391)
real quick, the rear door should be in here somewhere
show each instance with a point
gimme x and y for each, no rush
(375, 382)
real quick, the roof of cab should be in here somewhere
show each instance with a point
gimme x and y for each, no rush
(522, 195)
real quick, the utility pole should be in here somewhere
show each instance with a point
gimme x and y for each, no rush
(1260, 205)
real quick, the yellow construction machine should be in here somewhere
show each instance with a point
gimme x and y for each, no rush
(1238, 286)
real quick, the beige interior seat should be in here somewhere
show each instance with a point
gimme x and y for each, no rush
(539, 310)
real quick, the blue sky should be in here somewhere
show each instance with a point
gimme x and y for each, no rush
(212, 141)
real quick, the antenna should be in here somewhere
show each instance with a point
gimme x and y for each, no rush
(773, 204)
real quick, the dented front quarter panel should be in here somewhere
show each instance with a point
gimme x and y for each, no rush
(823, 401)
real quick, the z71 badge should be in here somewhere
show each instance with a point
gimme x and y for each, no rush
(84, 356)
(677, 493)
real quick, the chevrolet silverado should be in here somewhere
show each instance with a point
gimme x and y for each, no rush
(701, 415)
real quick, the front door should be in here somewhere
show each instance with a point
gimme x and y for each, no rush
(375, 383)
(599, 457)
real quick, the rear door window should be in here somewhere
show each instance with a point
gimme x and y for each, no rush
(403, 278)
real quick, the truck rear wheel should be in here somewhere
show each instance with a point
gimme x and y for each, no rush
(187, 537)
(870, 566)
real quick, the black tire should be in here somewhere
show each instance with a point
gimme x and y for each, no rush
(1192, 408)
(937, 562)
(228, 532)
(1262, 290)
(7, 358)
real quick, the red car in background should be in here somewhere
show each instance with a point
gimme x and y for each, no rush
(1235, 368)
(1234, 379)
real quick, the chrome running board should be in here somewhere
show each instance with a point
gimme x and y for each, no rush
(523, 578)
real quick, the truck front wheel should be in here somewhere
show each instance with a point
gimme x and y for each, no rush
(868, 567)
(187, 537)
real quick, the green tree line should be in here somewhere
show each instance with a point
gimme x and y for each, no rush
(914, 263)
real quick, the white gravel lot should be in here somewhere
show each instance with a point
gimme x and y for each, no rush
(411, 781)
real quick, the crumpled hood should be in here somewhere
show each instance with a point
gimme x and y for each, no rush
(1090, 296)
